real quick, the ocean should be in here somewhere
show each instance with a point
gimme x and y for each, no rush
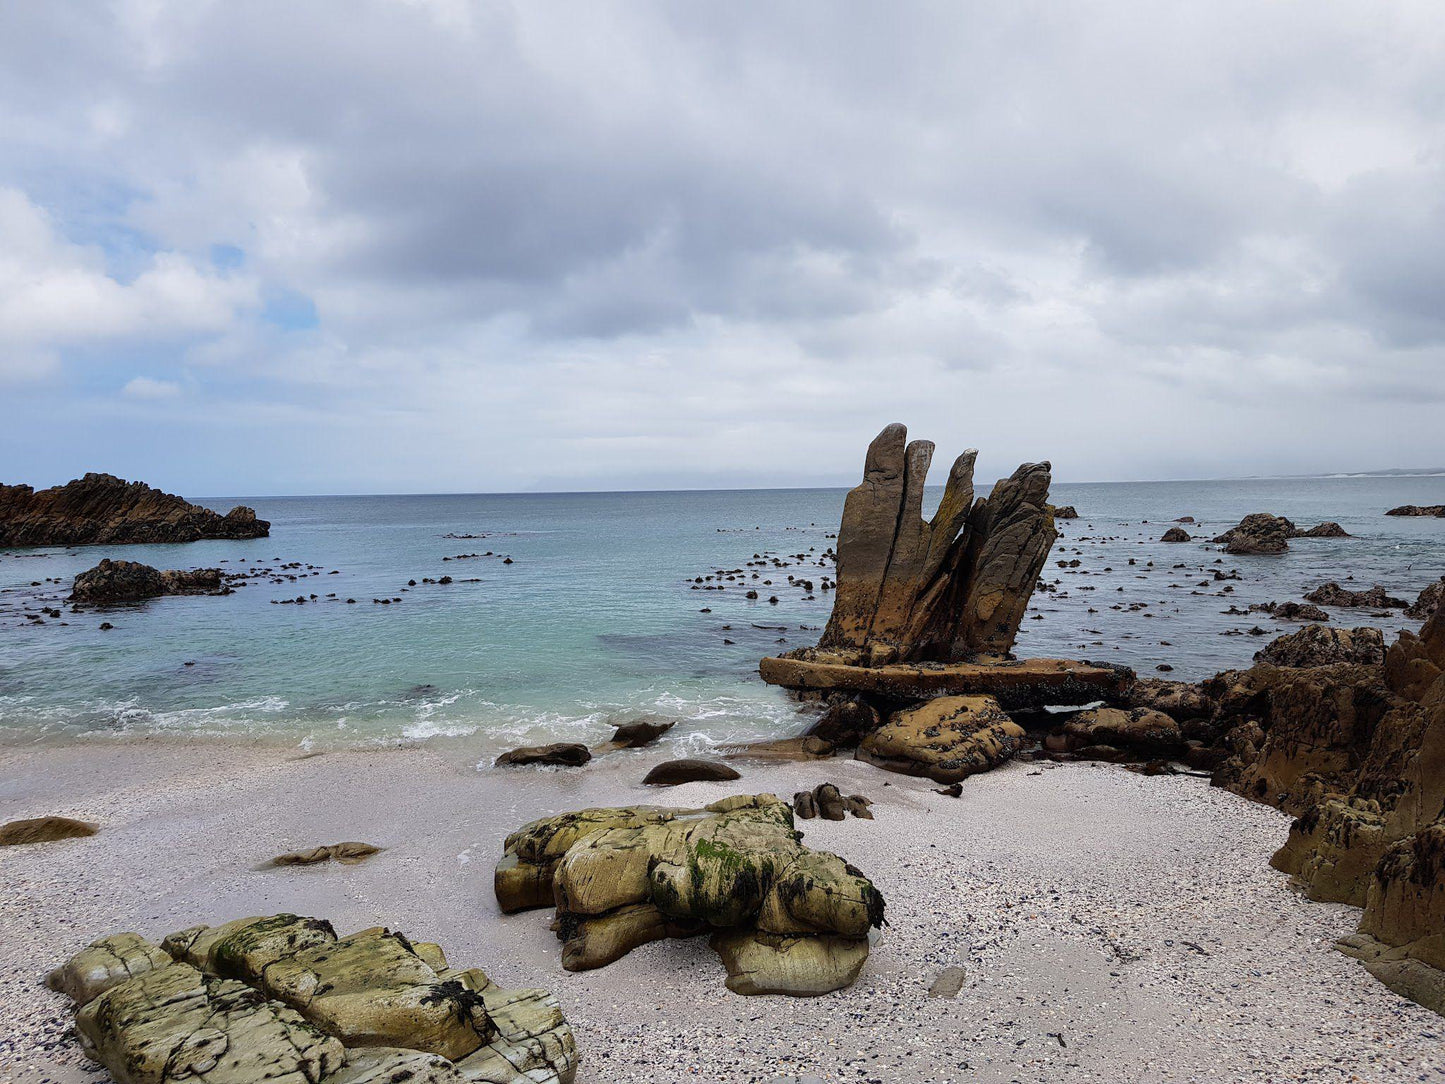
(599, 616)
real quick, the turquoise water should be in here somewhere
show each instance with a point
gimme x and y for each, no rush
(595, 620)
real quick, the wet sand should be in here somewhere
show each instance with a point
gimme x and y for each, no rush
(1113, 927)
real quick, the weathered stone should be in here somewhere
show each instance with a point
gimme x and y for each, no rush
(949, 982)
(176, 1024)
(635, 735)
(629, 876)
(1176, 534)
(1332, 594)
(1141, 731)
(104, 963)
(846, 720)
(1428, 601)
(1024, 683)
(1319, 645)
(670, 773)
(346, 853)
(1328, 529)
(946, 739)
(1066, 511)
(113, 582)
(393, 1065)
(1418, 510)
(564, 754)
(101, 508)
(1258, 532)
(43, 830)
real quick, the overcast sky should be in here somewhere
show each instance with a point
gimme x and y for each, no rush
(435, 245)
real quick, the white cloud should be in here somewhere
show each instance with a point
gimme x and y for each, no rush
(144, 387)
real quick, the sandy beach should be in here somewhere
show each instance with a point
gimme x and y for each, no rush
(1113, 926)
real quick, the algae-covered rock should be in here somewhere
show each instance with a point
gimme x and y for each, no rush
(176, 1024)
(629, 876)
(947, 739)
(104, 963)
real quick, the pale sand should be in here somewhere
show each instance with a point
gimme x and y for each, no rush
(1137, 918)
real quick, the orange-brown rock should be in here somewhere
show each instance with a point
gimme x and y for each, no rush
(947, 739)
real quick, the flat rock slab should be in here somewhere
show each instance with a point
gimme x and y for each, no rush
(1021, 683)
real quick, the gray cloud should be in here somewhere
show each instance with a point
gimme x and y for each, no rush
(614, 243)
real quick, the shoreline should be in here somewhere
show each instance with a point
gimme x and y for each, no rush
(1135, 917)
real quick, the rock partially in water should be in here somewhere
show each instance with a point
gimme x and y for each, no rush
(1258, 533)
(1318, 645)
(1065, 511)
(112, 582)
(103, 509)
(1418, 510)
(1428, 601)
(1332, 594)
(640, 732)
(787, 919)
(1176, 534)
(564, 754)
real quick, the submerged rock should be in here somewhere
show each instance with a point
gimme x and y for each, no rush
(130, 581)
(946, 739)
(101, 508)
(786, 919)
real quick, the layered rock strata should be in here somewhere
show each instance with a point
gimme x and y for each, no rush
(784, 919)
(101, 508)
(283, 999)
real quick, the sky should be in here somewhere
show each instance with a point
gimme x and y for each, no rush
(441, 246)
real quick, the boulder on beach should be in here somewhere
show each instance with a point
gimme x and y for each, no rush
(1176, 534)
(282, 998)
(567, 754)
(1142, 732)
(1332, 594)
(112, 582)
(947, 739)
(826, 801)
(671, 773)
(785, 919)
(43, 830)
(348, 854)
(103, 509)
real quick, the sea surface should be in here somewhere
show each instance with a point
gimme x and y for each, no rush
(599, 616)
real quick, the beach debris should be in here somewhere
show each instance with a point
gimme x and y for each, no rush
(670, 773)
(567, 754)
(283, 998)
(946, 739)
(348, 854)
(103, 509)
(43, 830)
(784, 919)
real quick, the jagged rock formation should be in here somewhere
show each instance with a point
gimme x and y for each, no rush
(1261, 532)
(952, 588)
(1332, 594)
(946, 739)
(1317, 645)
(101, 508)
(784, 919)
(283, 999)
(1424, 607)
(1066, 511)
(1418, 510)
(112, 582)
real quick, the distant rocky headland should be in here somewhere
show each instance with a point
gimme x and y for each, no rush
(103, 509)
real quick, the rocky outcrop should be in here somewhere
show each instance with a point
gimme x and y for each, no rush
(282, 998)
(1176, 534)
(1114, 733)
(946, 739)
(1318, 645)
(1332, 594)
(951, 588)
(1357, 753)
(1066, 511)
(784, 919)
(1428, 601)
(43, 830)
(1262, 533)
(1418, 510)
(101, 508)
(112, 582)
(847, 718)
(562, 754)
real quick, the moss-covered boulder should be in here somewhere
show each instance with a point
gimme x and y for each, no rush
(622, 877)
